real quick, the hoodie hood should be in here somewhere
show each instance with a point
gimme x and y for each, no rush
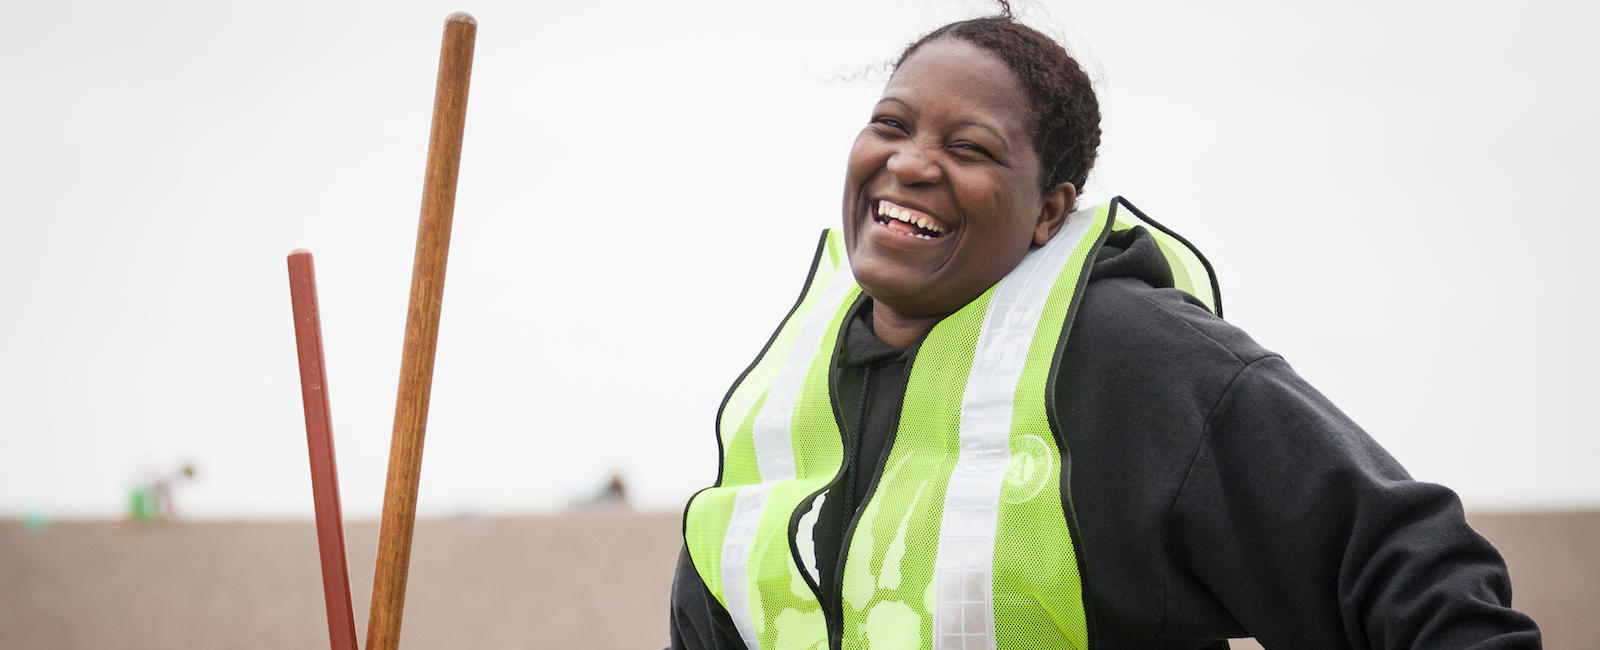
(1132, 253)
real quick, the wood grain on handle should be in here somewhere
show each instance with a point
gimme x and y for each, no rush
(422, 333)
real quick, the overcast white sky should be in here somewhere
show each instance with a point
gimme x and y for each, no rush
(1395, 196)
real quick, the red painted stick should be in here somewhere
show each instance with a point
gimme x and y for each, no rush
(319, 437)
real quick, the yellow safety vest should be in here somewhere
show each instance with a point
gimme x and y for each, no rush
(964, 543)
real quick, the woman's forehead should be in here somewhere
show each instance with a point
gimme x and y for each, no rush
(954, 75)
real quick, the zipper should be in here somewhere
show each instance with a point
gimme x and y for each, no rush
(833, 606)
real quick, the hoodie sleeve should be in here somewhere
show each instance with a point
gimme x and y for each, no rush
(698, 621)
(1311, 535)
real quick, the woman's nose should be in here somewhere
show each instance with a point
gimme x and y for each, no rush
(911, 164)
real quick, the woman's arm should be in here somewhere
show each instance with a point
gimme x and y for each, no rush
(698, 621)
(1311, 535)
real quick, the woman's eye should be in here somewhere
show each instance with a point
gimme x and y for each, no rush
(972, 150)
(891, 123)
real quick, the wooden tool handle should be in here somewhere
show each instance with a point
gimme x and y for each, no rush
(422, 333)
(319, 439)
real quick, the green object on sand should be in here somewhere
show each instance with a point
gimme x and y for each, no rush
(34, 520)
(142, 506)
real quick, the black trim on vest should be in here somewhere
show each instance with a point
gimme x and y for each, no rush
(1211, 274)
(811, 276)
(816, 259)
(1054, 419)
(838, 420)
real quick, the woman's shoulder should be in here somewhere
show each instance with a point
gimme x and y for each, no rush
(1131, 310)
(1160, 321)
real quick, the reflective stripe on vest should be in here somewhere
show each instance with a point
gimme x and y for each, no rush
(964, 543)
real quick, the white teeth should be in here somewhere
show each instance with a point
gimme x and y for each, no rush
(892, 211)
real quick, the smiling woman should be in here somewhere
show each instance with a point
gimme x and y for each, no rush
(1010, 421)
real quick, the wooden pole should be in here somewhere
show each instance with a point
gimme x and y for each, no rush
(319, 439)
(422, 333)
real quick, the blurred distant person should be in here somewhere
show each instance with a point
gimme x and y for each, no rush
(613, 495)
(151, 500)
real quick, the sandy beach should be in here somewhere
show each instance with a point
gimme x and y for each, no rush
(583, 580)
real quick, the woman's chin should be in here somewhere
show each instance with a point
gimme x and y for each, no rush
(907, 294)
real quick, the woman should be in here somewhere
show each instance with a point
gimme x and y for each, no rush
(1011, 423)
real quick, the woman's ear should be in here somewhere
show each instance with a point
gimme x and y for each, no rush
(1059, 201)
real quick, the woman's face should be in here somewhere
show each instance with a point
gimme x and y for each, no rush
(942, 197)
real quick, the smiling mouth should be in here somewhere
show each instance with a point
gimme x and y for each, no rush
(906, 221)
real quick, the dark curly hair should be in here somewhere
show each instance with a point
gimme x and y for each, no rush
(1066, 115)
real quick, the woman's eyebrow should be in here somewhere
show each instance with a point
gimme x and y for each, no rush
(896, 100)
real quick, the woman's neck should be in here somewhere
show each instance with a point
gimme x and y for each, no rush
(897, 330)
